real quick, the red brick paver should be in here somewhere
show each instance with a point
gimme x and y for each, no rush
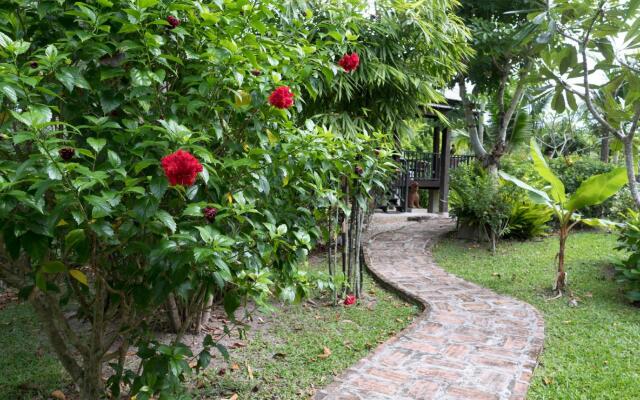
(470, 343)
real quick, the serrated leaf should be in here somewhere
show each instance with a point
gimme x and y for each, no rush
(167, 220)
(96, 143)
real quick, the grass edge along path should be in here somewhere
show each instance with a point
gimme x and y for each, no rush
(591, 348)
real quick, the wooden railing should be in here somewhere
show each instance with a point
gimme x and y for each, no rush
(426, 166)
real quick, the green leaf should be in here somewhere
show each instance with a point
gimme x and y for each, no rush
(9, 92)
(167, 220)
(53, 267)
(231, 304)
(557, 103)
(140, 78)
(74, 238)
(79, 276)
(5, 41)
(540, 165)
(600, 223)
(41, 282)
(96, 143)
(36, 117)
(147, 3)
(597, 189)
(536, 195)
(223, 350)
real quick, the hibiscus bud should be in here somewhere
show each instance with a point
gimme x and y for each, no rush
(173, 21)
(67, 153)
(358, 170)
(210, 213)
(349, 300)
(256, 72)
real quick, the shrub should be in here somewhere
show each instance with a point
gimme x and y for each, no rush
(629, 268)
(504, 210)
(477, 202)
(142, 168)
(527, 220)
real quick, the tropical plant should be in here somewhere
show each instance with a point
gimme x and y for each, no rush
(527, 220)
(592, 191)
(407, 52)
(629, 242)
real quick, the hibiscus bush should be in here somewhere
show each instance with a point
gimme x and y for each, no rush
(152, 164)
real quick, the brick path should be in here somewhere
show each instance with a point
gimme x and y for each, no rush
(470, 343)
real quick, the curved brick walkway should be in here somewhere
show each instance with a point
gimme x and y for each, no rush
(470, 343)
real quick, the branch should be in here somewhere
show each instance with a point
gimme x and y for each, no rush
(634, 123)
(585, 76)
(515, 101)
(472, 128)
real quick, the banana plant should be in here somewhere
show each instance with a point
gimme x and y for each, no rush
(592, 191)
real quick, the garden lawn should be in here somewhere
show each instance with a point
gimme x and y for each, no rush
(288, 360)
(592, 351)
(28, 368)
(284, 356)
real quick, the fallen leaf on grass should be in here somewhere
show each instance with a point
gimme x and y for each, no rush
(58, 395)
(249, 372)
(235, 366)
(237, 345)
(547, 380)
(326, 352)
(233, 397)
(279, 356)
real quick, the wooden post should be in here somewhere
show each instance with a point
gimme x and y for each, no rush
(445, 157)
(433, 200)
(436, 149)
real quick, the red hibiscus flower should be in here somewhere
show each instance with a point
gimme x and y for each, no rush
(349, 62)
(181, 168)
(349, 300)
(281, 98)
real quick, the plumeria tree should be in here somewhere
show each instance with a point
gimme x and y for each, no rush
(506, 45)
(593, 59)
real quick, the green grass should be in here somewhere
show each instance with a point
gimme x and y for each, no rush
(592, 351)
(28, 369)
(297, 336)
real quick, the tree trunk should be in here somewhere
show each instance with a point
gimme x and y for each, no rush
(629, 162)
(561, 277)
(91, 387)
(174, 313)
(604, 148)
